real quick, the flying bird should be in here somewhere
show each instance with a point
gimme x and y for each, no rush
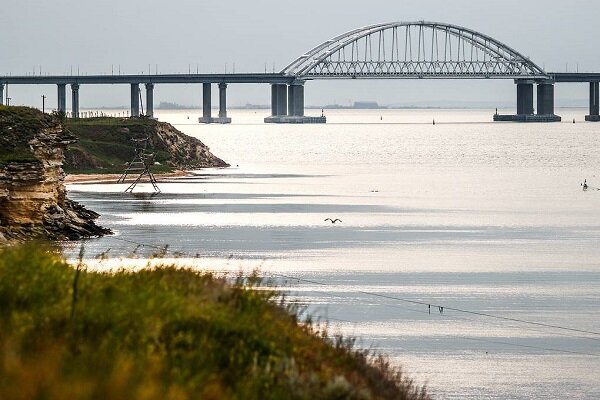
(333, 221)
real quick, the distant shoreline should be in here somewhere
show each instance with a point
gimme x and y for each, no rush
(112, 178)
(333, 107)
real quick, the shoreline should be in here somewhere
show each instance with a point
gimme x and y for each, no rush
(108, 178)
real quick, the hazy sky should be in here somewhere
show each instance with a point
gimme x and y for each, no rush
(176, 35)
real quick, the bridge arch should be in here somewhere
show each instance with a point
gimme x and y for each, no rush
(413, 50)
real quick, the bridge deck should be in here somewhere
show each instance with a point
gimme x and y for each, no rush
(162, 78)
(575, 76)
(268, 78)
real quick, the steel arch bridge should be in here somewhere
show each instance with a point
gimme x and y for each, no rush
(420, 49)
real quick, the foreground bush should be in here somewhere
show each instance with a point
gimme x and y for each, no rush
(166, 334)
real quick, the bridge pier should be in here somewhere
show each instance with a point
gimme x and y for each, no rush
(296, 100)
(1, 94)
(75, 100)
(525, 111)
(279, 106)
(594, 115)
(545, 102)
(273, 100)
(150, 100)
(207, 105)
(279, 97)
(62, 97)
(223, 118)
(525, 98)
(282, 98)
(287, 105)
(135, 100)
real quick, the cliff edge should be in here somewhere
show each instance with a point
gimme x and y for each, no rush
(33, 201)
(105, 145)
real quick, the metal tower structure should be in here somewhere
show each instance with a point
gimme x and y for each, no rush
(140, 165)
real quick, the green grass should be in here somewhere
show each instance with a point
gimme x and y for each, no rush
(105, 145)
(112, 157)
(167, 333)
(109, 121)
(18, 125)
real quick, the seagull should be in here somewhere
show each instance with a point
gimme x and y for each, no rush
(333, 221)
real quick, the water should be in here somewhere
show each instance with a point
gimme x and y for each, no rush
(466, 214)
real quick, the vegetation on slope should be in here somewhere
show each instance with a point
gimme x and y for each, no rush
(18, 125)
(106, 145)
(167, 334)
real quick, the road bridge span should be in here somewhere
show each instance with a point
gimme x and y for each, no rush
(398, 50)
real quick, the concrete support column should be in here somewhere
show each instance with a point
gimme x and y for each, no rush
(291, 100)
(1, 94)
(274, 93)
(299, 101)
(594, 103)
(62, 97)
(206, 102)
(135, 100)
(207, 105)
(75, 100)
(279, 100)
(545, 99)
(296, 100)
(287, 105)
(594, 98)
(282, 100)
(150, 100)
(222, 100)
(525, 97)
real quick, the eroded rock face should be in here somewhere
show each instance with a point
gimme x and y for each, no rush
(187, 152)
(33, 202)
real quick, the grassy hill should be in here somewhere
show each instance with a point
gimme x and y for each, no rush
(105, 145)
(167, 333)
(19, 125)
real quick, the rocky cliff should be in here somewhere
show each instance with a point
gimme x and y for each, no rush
(33, 202)
(106, 144)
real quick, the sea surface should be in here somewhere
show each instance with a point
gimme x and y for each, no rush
(467, 250)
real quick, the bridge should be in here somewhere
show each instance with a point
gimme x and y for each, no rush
(398, 50)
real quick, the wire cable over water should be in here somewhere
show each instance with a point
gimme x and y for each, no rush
(443, 307)
(440, 307)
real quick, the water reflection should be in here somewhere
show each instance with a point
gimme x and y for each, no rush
(477, 216)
